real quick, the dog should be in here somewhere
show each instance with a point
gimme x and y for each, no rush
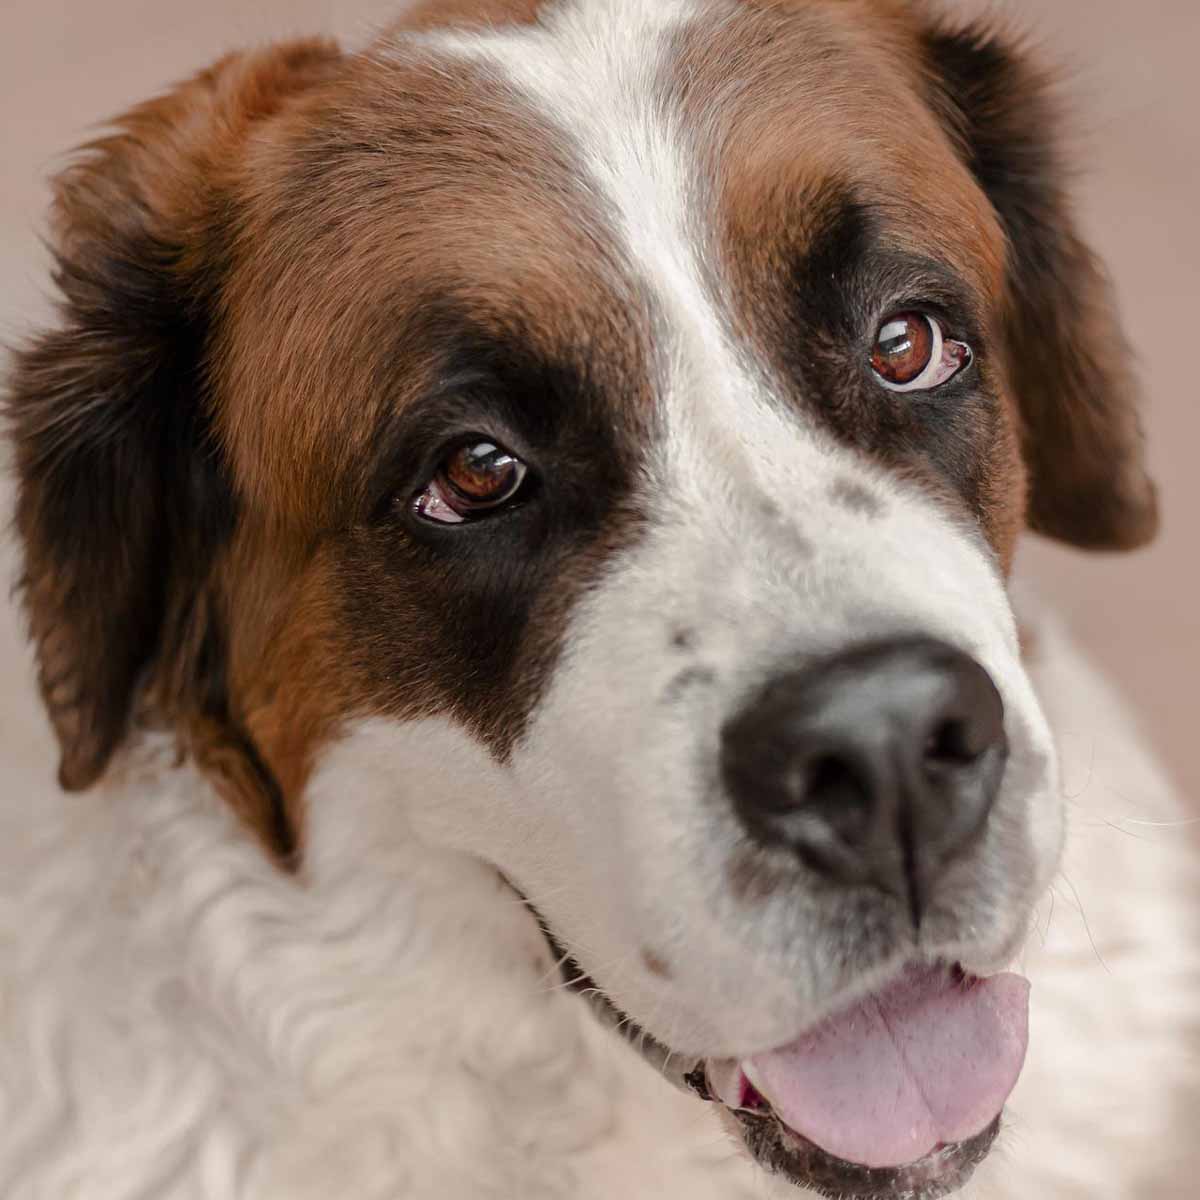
(516, 524)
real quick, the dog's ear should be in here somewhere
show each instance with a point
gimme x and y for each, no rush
(122, 498)
(1068, 359)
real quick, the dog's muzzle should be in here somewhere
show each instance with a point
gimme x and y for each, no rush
(874, 768)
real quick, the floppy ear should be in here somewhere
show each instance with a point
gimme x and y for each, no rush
(1069, 361)
(123, 502)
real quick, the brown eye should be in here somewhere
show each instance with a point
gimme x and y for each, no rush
(912, 354)
(473, 479)
(903, 348)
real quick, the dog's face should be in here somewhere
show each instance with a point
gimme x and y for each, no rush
(610, 426)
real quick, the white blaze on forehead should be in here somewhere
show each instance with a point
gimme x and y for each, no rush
(595, 68)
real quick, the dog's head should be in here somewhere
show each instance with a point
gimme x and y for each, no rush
(609, 425)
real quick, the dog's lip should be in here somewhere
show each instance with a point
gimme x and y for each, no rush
(937, 1174)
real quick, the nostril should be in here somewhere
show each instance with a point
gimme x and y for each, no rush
(821, 802)
(837, 793)
(951, 743)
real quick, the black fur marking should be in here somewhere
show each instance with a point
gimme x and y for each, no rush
(683, 638)
(124, 499)
(843, 285)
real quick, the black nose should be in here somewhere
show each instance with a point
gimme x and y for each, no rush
(876, 766)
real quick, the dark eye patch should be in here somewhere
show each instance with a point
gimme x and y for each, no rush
(839, 287)
(468, 620)
(553, 410)
(848, 278)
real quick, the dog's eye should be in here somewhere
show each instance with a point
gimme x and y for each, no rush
(475, 478)
(911, 353)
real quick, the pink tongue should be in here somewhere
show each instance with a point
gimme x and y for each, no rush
(929, 1060)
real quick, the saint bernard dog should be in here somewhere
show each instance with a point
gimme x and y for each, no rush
(515, 523)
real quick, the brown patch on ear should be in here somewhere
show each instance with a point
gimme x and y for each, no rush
(124, 504)
(1068, 360)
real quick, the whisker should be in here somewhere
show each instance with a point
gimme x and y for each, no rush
(554, 971)
(1117, 829)
(1049, 916)
(1087, 927)
(1087, 782)
(1184, 823)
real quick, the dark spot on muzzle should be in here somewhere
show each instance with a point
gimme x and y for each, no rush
(856, 498)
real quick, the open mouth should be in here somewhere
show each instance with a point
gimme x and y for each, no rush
(896, 1096)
